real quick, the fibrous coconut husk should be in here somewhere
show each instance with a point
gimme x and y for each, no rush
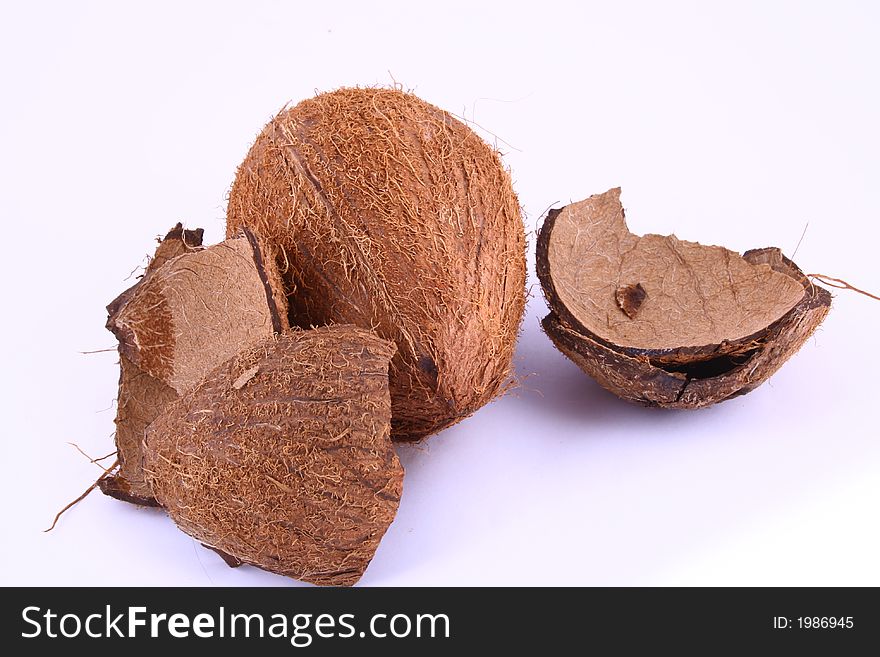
(392, 215)
(665, 322)
(281, 457)
(193, 309)
(141, 396)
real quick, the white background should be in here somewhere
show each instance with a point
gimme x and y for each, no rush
(737, 124)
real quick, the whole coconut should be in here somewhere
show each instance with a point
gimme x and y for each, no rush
(390, 214)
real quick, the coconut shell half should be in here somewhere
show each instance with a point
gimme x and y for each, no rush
(665, 322)
(391, 214)
(193, 309)
(282, 457)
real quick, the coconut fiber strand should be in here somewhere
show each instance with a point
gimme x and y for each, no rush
(282, 457)
(194, 309)
(390, 214)
(665, 322)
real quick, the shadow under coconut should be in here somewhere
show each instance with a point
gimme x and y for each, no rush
(554, 386)
(556, 389)
(434, 505)
(557, 418)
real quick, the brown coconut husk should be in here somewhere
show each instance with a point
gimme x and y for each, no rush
(392, 215)
(194, 309)
(664, 322)
(281, 457)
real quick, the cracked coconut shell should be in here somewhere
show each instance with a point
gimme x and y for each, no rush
(390, 214)
(282, 457)
(193, 309)
(141, 396)
(664, 322)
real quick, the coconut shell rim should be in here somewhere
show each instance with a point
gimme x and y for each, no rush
(684, 354)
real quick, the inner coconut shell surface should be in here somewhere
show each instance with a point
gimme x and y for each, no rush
(665, 322)
(201, 308)
(392, 215)
(693, 297)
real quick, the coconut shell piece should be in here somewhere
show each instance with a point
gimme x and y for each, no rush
(282, 458)
(664, 322)
(176, 242)
(141, 396)
(199, 309)
(392, 215)
(193, 309)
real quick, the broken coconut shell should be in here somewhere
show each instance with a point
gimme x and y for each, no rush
(664, 322)
(281, 457)
(141, 396)
(193, 309)
(200, 309)
(176, 242)
(390, 214)
(140, 400)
